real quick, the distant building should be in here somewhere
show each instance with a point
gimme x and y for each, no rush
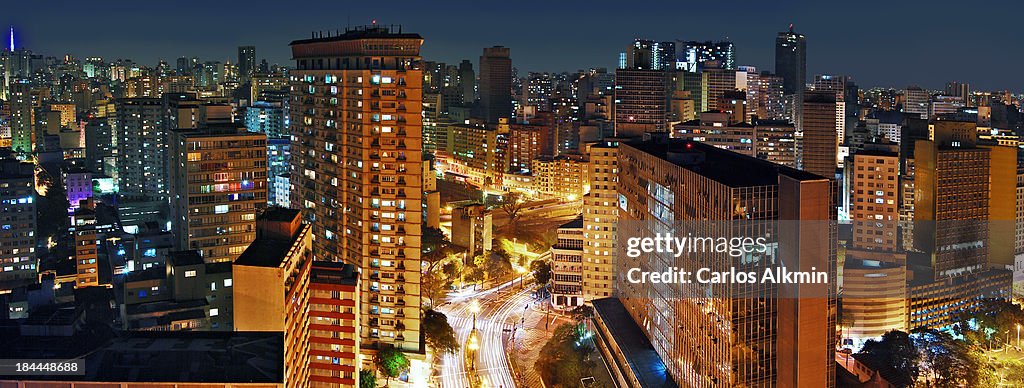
(496, 84)
(472, 227)
(819, 145)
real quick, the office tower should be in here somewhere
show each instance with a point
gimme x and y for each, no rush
(467, 82)
(18, 263)
(526, 143)
(141, 153)
(791, 61)
(600, 212)
(944, 105)
(775, 141)
(183, 66)
(716, 129)
(670, 183)
(496, 84)
(246, 62)
(696, 56)
(271, 282)
(959, 89)
(567, 265)
(714, 84)
(1002, 203)
(916, 101)
(649, 55)
(875, 271)
(365, 205)
(819, 145)
(641, 101)
(22, 121)
(951, 209)
(218, 184)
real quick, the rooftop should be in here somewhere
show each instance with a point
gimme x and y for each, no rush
(264, 252)
(643, 360)
(373, 31)
(721, 165)
(332, 272)
(186, 357)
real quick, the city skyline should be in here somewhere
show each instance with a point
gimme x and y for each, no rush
(866, 55)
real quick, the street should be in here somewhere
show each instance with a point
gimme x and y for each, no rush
(502, 312)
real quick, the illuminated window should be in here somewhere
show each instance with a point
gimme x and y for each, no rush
(190, 273)
(214, 312)
(220, 209)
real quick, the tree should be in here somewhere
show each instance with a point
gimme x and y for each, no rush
(896, 349)
(541, 272)
(564, 359)
(437, 253)
(512, 203)
(472, 273)
(582, 313)
(438, 333)
(1015, 372)
(498, 264)
(391, 362)
(953, 362)
(367, 379)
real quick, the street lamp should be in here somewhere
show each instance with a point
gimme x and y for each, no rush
(1018, 335)
(473, 345)
(474, 308)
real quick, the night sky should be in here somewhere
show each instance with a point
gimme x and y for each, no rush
(879, 43)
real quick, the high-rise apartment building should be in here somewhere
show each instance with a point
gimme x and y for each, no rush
(356, 157)
(567, 265)
(600, 212)
(83, 230)
(819, 145)
(668, 183)
(18, 262)
(336, 318)
(875, 271)
(271, 282)
(219, 184)
(22, 121)
(141, 153)
(496, 84)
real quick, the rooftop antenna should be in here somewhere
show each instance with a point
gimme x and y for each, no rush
(12, 38)
(790, 28)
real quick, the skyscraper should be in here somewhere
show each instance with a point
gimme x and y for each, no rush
(600, 212)
(791, 61)
(246, 62)
(820, 146)
(496, 84)
(356, 159)
(22, 121)
(695, 56)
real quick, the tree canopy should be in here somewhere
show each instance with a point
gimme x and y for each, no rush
(438, 333)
